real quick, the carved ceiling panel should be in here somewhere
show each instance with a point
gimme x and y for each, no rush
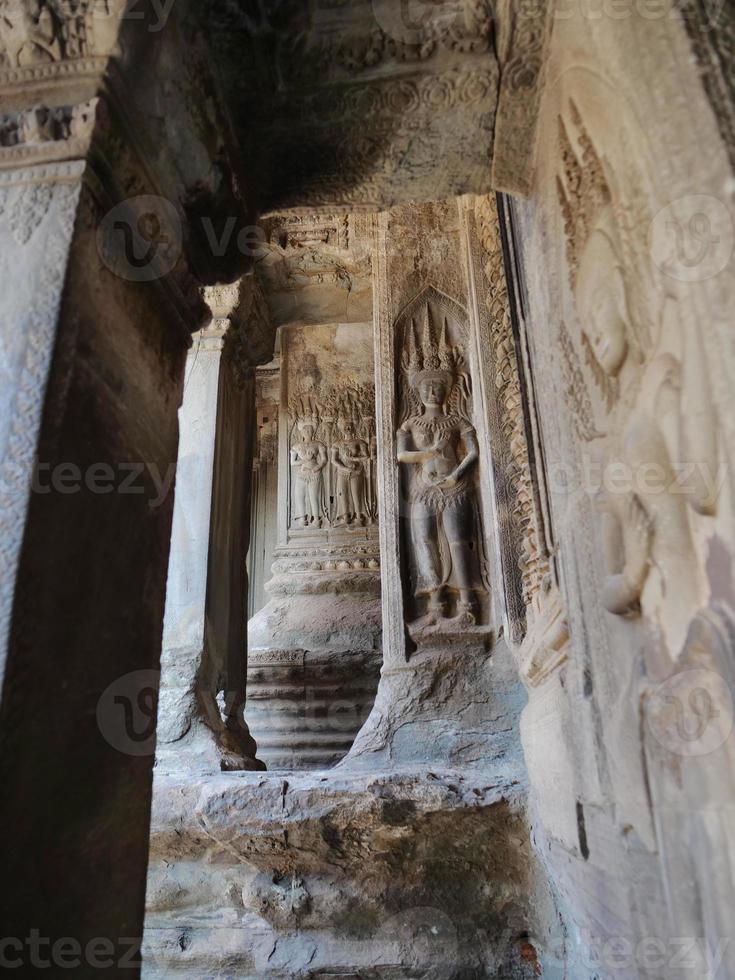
(353, 102)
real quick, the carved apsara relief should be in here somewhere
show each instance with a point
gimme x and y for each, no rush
(332, 457)
(646, 375)
(438, 452)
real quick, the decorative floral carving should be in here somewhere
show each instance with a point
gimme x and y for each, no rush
(576, 394)
(583, 189)
(534, 566)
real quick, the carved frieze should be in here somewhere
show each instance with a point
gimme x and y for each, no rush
(292, 232)
(346, 38)
(54, 40)
(332, 456)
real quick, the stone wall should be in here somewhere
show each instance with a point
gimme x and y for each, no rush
(625, 297)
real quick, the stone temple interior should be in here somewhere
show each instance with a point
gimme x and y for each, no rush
(367, 516)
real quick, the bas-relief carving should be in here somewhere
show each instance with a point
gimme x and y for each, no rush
(510, 449)
(647, 375)
(29, 32)
(438, 453)
(308, 458)
(332, 454)
(38, 32)
(689, 752)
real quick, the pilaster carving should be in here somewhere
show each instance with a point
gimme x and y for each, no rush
(523, 31)
(512, 452)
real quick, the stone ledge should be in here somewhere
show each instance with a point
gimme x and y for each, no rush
(339, 873)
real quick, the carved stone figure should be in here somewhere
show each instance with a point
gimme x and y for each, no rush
(439, 444)
(602, 305)
(350, 457)
(670, 454)
(308, 459)
(340, 463)
(28, 33)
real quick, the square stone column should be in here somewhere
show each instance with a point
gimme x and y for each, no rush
(200, 723)
(95, 326)
(38, 207)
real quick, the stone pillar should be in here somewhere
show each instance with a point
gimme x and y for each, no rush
(200, 724)
(264, 513)
(315, 646)
(99, 362)
(38, 206)
(97, 319)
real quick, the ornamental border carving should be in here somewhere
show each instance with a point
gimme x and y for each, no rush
(512, 448)
(28, 402)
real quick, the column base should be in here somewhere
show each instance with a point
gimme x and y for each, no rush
(313, 670)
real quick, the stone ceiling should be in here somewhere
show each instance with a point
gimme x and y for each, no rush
(351, 103)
